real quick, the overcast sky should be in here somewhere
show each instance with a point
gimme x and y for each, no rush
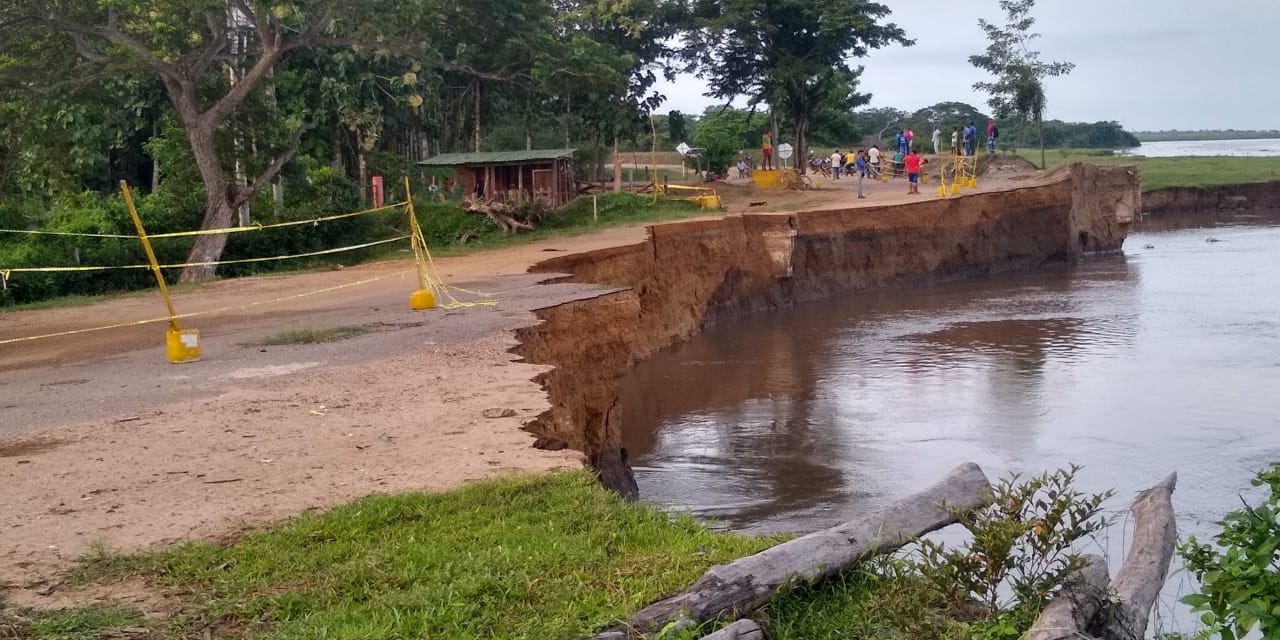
(1149, 64)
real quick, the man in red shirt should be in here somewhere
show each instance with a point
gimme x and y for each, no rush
(913, 163)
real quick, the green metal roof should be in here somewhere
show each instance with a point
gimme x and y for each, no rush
(496, 157)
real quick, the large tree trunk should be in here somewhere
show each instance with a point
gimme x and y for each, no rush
(218, 212)
(1142, 576)
(802, 145)
(747, 583)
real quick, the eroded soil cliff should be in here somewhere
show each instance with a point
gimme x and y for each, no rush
(693, 273)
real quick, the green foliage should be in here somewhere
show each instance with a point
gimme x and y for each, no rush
(551, 556)
(1021, 540)
(1018, 87)
(724, 133)
(790, 54)
(1240, 575)
(1021, 544)
(1193, 172)
(83, 623)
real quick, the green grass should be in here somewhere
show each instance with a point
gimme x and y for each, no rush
(81, 623)
(311, 335)
(552, 556)
(1161, 173)
(613, 209)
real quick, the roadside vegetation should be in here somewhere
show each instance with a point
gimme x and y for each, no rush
(557, 556)
(1162, 173)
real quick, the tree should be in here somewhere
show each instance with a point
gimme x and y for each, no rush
(722, 134)
(1018, 89)
(791, 55)
(189, 46)
(676, 128)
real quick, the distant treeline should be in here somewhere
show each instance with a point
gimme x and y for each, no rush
(1205, 134)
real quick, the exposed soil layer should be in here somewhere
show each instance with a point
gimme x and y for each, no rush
(686, 275)
(1234, 197)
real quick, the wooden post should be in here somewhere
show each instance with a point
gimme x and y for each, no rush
(520, 179)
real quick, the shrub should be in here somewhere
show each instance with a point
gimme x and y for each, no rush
(1240, 578)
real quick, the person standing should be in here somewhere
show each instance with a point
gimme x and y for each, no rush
(873, 158)
(901, 141)
(911, 136)
(836, 157)
(766, 148)
(955, 141)
(913, 163)
(993, 132)
(937, 141)
(860, 165)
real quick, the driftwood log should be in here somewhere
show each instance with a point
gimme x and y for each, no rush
(499, 213)
(747, 583)
(1068, 615)
(1142, 576)
(740, 630)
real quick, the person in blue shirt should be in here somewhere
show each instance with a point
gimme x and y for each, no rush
(860, 165)
(901, 142)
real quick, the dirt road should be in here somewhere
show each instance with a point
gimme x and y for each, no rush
(103, 442)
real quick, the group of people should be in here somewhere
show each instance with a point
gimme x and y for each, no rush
(865, 163)
(964, 140)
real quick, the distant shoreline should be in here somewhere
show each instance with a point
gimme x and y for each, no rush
(1203, 136)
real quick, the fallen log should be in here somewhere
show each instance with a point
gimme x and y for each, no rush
(1142, 576)
(740, 630)
(1067, 616)
(747, 583)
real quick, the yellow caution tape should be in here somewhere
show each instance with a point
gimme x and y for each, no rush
(274, 225)
(206, 312)
(184, 265)
(208, 232)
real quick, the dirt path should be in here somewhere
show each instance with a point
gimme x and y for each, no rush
(103, 442)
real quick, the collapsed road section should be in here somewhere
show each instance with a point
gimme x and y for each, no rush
(689, 274)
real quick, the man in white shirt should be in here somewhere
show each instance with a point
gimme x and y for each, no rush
(937, 141)
(835, 164)
(873, 157)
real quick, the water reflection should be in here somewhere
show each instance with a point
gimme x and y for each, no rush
(789, 420)
(1166, 358)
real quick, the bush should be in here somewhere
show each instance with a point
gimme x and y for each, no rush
(1240, 578)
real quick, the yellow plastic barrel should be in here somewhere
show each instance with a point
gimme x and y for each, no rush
(422, 299)
(182, 345)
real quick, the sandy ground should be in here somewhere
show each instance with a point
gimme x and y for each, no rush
(102, 442)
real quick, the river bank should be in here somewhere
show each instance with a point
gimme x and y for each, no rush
(691, 274)
(719, 268)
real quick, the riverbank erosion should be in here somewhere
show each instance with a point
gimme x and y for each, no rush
(687, 275)
(1228, 197)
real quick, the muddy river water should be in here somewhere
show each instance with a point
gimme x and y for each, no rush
(1165, 358)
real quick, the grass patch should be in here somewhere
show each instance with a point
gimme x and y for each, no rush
(81, 623)
(1161, 173)
(311, 335)
(551, 556)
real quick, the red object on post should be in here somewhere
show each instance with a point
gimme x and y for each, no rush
(377, 191)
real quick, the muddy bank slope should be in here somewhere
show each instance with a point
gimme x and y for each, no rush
(692, 273)
(1228, 197)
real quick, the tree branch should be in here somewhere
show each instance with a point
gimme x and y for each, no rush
(245, 194)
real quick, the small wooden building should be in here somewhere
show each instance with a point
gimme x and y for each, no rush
(512, 176)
